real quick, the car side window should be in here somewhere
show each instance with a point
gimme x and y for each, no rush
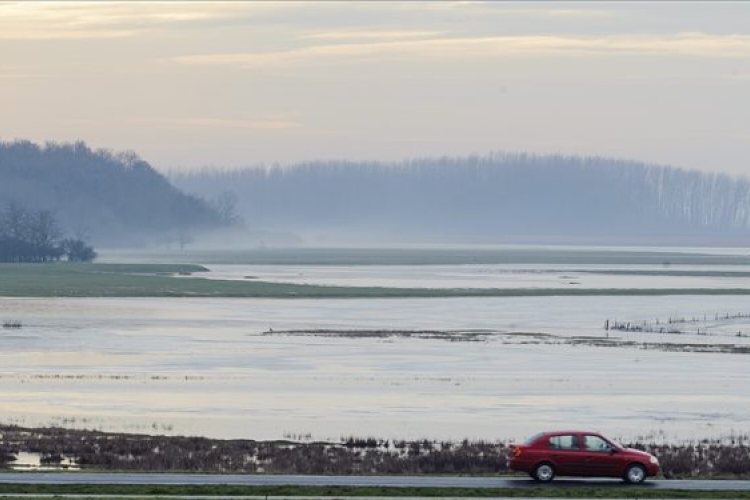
(595, 443)
(564, 442)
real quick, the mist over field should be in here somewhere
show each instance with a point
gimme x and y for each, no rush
(118, 199)
(490, 199)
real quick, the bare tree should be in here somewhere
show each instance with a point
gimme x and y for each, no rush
(44, 229)
(226, 206)
(14, 223)
(35, 236)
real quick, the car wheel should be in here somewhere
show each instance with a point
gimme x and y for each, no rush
(635, 474)
(544, 473)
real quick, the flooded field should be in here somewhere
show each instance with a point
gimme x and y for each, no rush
(508, 276)
(441, 368)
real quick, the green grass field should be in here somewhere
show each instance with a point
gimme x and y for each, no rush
(184, 280)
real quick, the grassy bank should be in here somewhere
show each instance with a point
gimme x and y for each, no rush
(100, 451)
(545, 491)
(183, 280)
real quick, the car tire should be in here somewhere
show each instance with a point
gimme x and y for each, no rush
(635, 474)
(544, 472)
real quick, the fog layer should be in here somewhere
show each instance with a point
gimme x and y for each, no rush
(497, 198)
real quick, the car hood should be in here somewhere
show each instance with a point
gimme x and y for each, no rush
(639, 453)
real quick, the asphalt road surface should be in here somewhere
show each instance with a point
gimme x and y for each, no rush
(298, 480)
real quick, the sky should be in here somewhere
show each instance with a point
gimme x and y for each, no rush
(202, 84)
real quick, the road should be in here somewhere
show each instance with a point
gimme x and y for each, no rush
(298, 480)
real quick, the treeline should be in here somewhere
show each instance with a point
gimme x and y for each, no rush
(36, 236)
(114, 198)
(498, 197)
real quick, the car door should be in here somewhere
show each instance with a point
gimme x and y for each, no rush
(599, 457)
(567, 455)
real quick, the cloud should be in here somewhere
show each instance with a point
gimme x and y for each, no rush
(61, 34)
(369, 35)
(686, 44)
(269, 122)
(12, 71)
(503, 9)
(578, 13)
(32, 20)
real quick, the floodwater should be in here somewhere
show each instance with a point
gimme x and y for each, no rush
(225, 368)
(512, 276)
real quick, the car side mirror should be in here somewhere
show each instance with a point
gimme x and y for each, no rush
(612, 451)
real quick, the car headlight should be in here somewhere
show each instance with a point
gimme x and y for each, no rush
(654, 460)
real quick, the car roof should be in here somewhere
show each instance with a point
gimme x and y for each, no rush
(558, 433)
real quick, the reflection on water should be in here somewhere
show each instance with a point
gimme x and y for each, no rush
(36, 461)
(205, 367)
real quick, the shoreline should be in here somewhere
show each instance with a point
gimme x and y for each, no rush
(68, 449)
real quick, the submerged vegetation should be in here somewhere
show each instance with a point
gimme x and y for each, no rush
(529, 490)
(680, 325)
(522, 338)
(453, 336)
(93, 450)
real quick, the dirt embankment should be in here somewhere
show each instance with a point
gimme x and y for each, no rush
(109, 451)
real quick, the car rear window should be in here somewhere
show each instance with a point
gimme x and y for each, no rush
(532, 438)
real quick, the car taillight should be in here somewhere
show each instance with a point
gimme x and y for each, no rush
(516, 452)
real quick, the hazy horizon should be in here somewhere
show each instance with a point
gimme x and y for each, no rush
(498, 198)
(237, 84)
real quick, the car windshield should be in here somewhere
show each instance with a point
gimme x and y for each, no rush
(612, 442)
(615, 443)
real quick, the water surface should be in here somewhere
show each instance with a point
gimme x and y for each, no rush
(208, 367)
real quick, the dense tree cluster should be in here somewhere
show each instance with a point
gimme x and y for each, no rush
(117, 199)
(498, 197)
(36, 236)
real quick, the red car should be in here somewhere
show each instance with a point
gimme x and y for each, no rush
(577, 453)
